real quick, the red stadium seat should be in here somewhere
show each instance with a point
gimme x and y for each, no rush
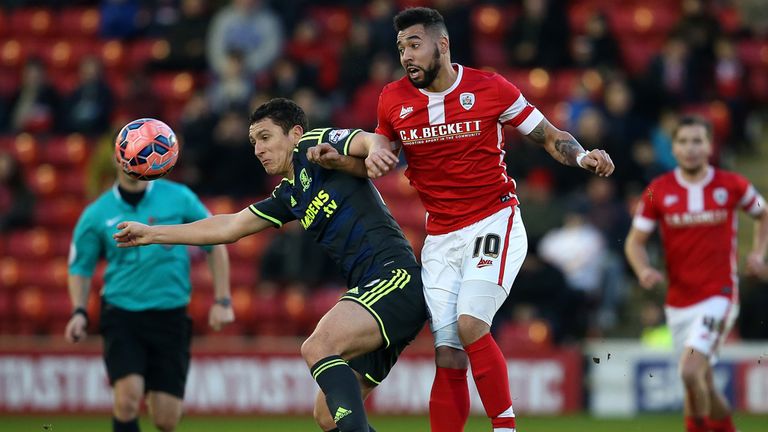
(174, 86)
(754, 53)
(26, 149)
(45, 179)
(65, 151)
(144, 50)
(9, 81)
(48, 273)
(334, 22)
(79, 21)
(114, 55)
(642, 20)
(489, 52)
(637, 53)
(37, 243)
(38, 22)
(65, 81)
(12, 53)
(58, 212)
(3, 24)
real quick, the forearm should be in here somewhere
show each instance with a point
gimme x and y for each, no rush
(353, 166)
(218, 264)
(760, 238)
(208, 231)
(561, 145)
(79, 287)
(637, 256)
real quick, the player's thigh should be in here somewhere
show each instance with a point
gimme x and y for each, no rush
(701, 327)
(169, 337)
(165, 409)
(441, 259)
(496, 249)
(348, 330)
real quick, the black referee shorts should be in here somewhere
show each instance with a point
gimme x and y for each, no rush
(396, 301)
(152, 343)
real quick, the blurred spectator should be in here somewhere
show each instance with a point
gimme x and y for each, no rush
(286, 77)
(607, 212)
(35, 104)
(139, 99)
(17, 202)
(670, 79)
(186, 38)
(536, 38)
(539, 206)
(730, 78)
(316, 109)
(89, 107)
(228, 167)
(458, 21)
(699, 29)
(248, 27)
(295, 258)
(542, 287)
(197, 125)
(752, 322)
(315, 56)
(661, 139)
(355, 57)
(598, 47)
(382, 31)
(361, 112)
(120, 19)
(754, 16)
(232, 89)
(655, 332)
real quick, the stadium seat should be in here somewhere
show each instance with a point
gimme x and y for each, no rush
(12, 54)
(9, 82)
(638, 52)
(26, 149)
(334, 22)
(65, 151)
(58, 212)
(489, 21)
(113, 55)
(754, 54)
(144, 50)
(79, 21)
(32, 21)
(173, 87)
(49, 274)
(37, 243)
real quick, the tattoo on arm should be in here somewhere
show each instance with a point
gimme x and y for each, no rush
(559, 144)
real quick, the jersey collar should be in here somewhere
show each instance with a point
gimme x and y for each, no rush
(701, 183)
(460, 73)
(116, 193)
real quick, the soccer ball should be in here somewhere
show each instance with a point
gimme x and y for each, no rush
(146, 149)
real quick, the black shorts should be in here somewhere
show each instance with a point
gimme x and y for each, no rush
(153, 343)
(396, 301)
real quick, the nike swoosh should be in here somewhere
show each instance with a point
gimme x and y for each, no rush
(160, 166)
(113, 220)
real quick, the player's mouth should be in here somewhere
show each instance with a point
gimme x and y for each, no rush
(413, 72)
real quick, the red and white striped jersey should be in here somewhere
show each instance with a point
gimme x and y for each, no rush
(698, 230)
(454, 143)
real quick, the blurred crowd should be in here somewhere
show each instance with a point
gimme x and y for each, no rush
(616, 87)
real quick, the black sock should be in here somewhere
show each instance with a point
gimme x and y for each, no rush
(129, 426)
(370, 428)
(342, 393)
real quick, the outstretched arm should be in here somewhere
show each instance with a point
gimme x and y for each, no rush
(221, 312)
(219, 229)
(564, 148)
(375, 149)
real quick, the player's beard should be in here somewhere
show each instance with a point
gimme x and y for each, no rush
(430, 73)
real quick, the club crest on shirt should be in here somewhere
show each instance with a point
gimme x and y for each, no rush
(720, 195)
(669, 200)
(337, 135)
(305, 179)
(467, 100)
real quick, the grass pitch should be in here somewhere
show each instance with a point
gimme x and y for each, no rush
(571, 423)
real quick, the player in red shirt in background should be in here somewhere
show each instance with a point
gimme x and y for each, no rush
(695, 206)
(449, 120)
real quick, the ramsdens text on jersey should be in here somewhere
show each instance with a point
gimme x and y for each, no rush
(321, 202)
(441, 132)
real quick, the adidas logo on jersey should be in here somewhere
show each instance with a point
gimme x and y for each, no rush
(404, 111)
(354, 291)
(341, 413)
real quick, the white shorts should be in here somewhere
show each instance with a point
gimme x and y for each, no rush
(702, 326)
(490, 250)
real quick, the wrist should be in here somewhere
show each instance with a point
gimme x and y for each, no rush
(580, 157)
(80, 311)
(223, 301)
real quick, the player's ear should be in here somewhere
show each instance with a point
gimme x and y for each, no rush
(444, 44)
(296, 132)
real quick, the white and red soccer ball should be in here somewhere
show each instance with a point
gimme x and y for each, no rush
(146, 149)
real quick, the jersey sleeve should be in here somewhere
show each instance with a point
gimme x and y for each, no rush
(384, 126)
(646, 214)
(338, 138)
(518, 112)
(272, 210)
(194, 210)
(750, 199)
(86, 247)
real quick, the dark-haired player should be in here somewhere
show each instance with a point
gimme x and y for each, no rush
(695, 207)
(449, 121)
(358, 341)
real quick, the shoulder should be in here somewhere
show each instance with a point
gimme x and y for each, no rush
(725, 176)
(98, 208)
(396, 89)
(662, 183)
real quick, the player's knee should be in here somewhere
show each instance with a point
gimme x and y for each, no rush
(315, 349)
(166, 424)
(451, 358)
(126, 408)
(693, 372)
(471, 329)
